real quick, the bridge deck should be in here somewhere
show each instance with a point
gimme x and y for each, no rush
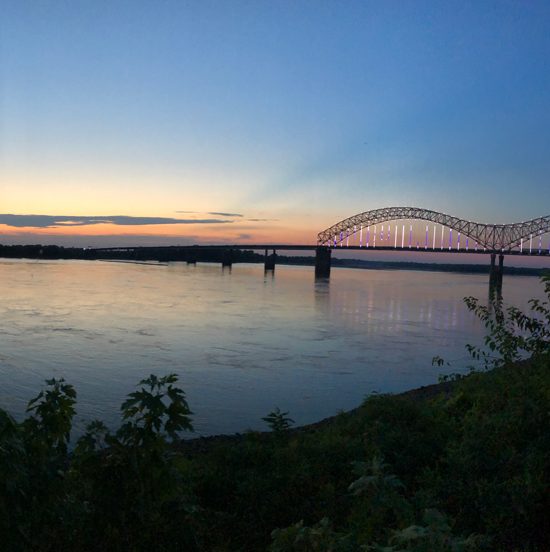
(309, 247)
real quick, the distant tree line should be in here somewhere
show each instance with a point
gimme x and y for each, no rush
(161, 254)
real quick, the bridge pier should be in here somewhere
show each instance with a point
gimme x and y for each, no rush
(322, 262)
(227, 257)
(269, 260)
(496, 271)
(191, 257)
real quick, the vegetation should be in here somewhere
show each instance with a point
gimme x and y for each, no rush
(465, 469)
(278, 421)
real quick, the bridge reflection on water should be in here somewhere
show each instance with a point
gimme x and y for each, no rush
(386, 312)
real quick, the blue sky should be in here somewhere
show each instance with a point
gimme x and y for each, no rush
(293, 114)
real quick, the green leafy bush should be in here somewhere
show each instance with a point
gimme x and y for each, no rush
(278, 421)
(33, 462)
(511, 334)
(137, 497)
(120, 491)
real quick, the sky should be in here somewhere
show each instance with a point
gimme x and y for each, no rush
(177, 122)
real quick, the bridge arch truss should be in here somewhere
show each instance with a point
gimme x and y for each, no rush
(491, 237)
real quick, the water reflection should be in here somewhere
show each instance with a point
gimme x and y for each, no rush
(241, 340)
(382, 307)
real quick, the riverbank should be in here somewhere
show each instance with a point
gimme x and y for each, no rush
(476, 450)
(197, 445)
(462, 465)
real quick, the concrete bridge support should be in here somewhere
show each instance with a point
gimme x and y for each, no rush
(269, 260)
(227, 257)
(496, 271)
(322, 262)
(191, 257)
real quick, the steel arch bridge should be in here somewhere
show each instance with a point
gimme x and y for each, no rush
(495, 238)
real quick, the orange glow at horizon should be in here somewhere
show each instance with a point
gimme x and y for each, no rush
(238, 232)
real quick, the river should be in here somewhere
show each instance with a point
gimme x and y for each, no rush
(241, 341)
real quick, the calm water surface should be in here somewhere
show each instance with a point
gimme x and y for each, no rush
(241, 342)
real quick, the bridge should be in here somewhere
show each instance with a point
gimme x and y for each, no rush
(362, 230)
(494, 239)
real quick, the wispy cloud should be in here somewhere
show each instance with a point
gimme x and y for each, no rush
(215, 213)
(52, 221)
(226, 214)
(261, 220)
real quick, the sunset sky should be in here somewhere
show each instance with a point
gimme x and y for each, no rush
(166, 122)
